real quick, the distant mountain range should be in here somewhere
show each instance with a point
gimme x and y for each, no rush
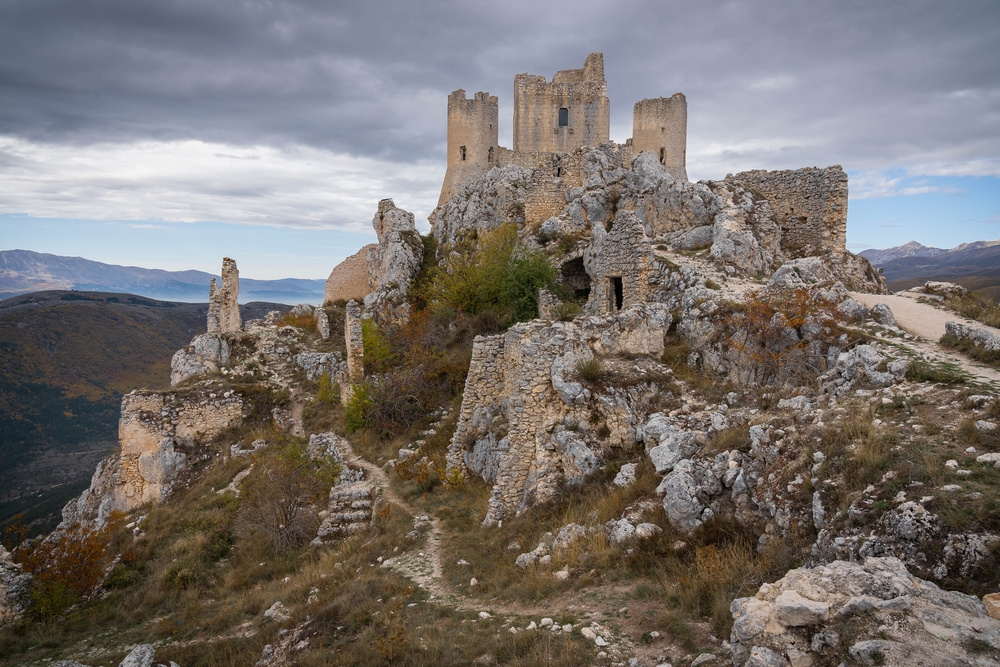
(23, 271)
(973, 265)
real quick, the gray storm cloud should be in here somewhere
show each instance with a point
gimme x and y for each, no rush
(869, 85)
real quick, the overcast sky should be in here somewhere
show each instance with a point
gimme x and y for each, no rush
(129, 127)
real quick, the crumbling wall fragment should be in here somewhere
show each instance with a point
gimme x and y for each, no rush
(223, 308)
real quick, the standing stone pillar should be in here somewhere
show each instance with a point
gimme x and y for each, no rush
(223, 307)
(355, 348)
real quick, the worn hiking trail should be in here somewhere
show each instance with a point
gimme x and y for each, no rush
(926, 322)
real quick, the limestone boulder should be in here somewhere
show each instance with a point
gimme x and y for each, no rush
(980, 337)
(882, 314)
(896, 619)
(207, 353)
(944, 289)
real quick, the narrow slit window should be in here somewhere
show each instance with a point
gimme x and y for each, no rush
(489, 156)
(461, 153)
(563, 117)
(558, 172)
(663, 155)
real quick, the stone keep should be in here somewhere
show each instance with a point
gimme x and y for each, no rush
(571, 111)
(223, 309)
(473, 147)
(660, 125)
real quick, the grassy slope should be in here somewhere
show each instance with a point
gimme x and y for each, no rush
(65, 361)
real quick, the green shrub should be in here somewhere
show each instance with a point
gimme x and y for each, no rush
(923, 371)
(491, 273)
(378, 352)
(565, 312)
(356, 410)
(590, 370)
(327, 391)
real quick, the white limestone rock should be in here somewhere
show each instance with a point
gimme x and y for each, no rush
(914, 622)
(882, 314)
(14, 583)
(626, 475)
(680, 497)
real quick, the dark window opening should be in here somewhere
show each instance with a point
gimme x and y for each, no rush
(616, 294)
(663, 155)
(574, 277)
(461, 153)
(558, 172)
(563, 117)
(489, 156)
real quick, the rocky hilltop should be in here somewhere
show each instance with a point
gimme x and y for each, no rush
(600, 415)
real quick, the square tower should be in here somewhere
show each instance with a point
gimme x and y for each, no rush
(660, 125)
(569, 112)
(473, 145)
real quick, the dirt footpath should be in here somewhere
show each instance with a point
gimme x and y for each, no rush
(920, 319)
(927, 323)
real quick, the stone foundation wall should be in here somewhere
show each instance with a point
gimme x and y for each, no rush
(158, 433)
(526, 423)
(810, 206)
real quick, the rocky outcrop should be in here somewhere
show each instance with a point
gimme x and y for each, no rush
(870, 613)
(316, 364)
(223, 309)
(349, 279)
(14, 584)
(527, 423)
(158, 434)
(393, 263)
(207, 353)
(980, 337)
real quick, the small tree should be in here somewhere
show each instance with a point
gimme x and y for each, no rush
(278, 498)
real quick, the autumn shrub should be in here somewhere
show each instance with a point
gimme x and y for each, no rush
(767, 342)
(277, 508)
(68, 566)
(305, 321)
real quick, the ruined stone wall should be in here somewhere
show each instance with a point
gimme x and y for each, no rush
(355, 344)
(484, 385)
(223, 309)
(583, 93)
(349, 279)
(544, 191)
(624, 252)
(473, 147)
(660, 125)
(526, 425)
(158, 434)
(810, 206)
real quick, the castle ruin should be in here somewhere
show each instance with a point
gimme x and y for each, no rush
(552, 121)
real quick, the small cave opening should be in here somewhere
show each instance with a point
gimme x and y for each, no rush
(574, 277)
